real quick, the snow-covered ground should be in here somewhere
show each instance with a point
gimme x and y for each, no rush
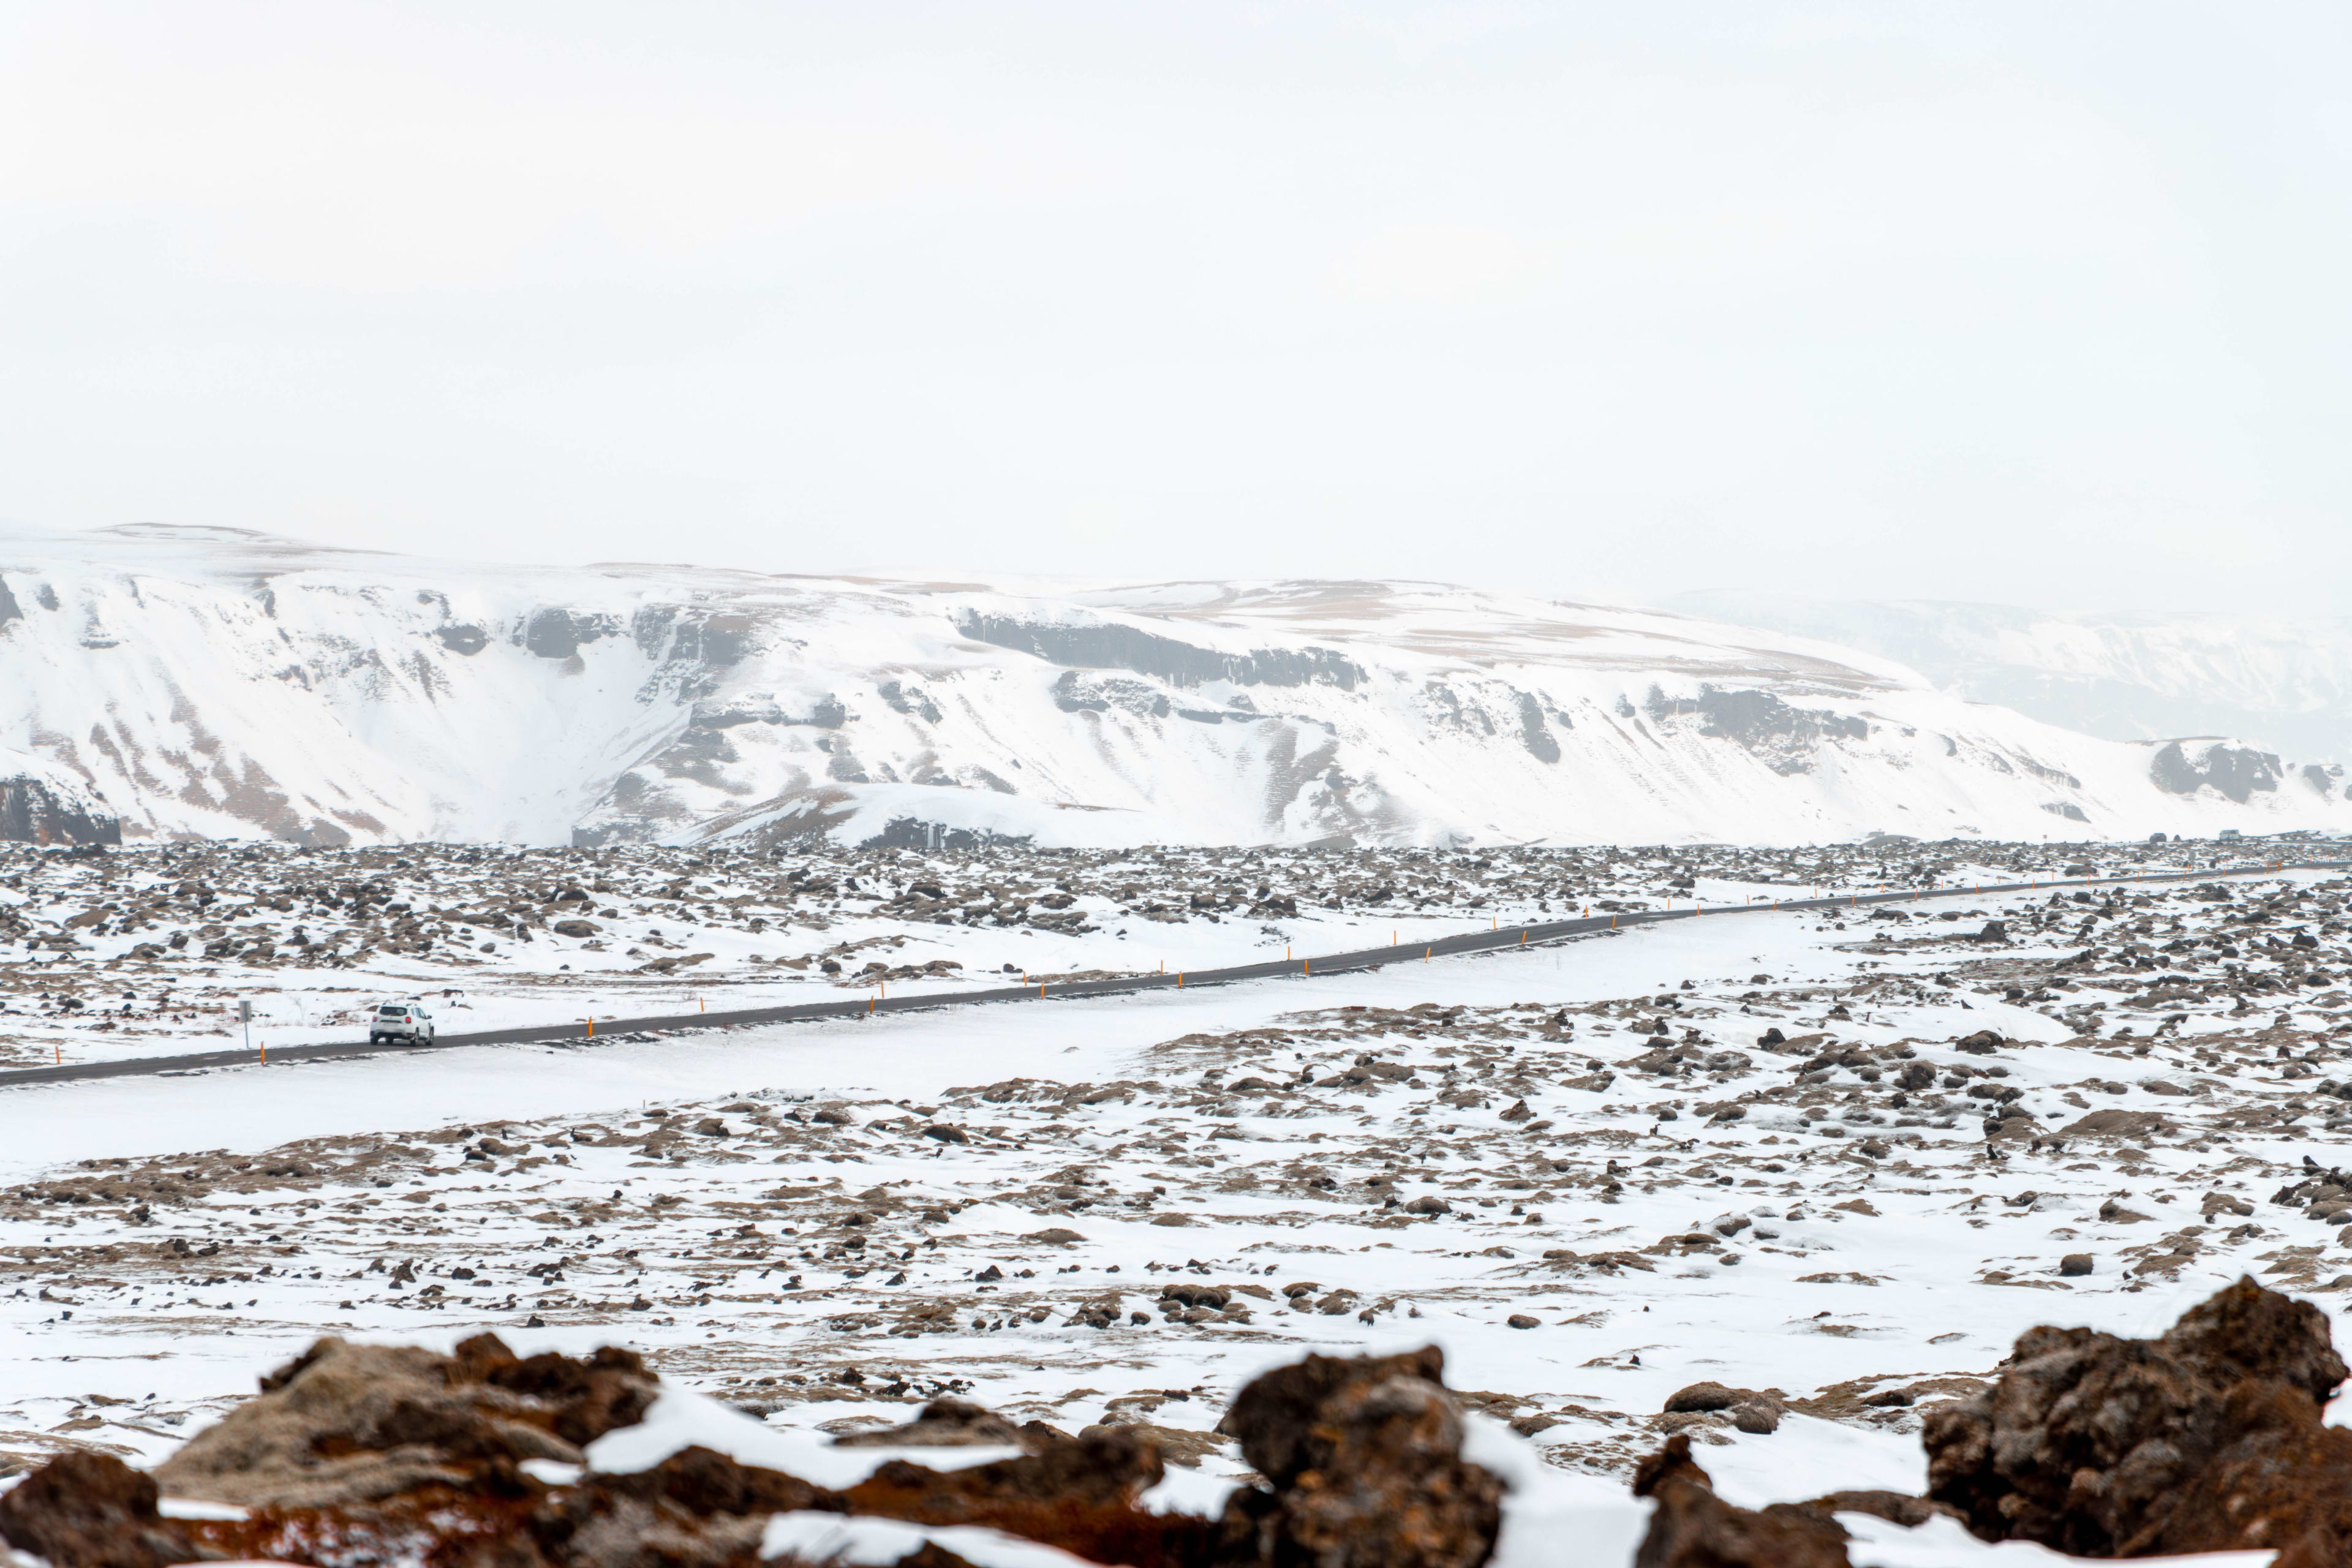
(150, 952)
(1602, 1141)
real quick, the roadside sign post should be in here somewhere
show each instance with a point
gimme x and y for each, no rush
(245, 1017)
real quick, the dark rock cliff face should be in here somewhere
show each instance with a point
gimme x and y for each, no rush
(2236, 771)
(1108, 646)
(560, 634)
(1073, 694)
(669, 632)
(1534, 733)
(33, 812)
(913, 833)
(1786, 736)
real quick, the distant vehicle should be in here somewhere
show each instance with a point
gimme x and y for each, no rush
(2228, 836)
(406, 1021)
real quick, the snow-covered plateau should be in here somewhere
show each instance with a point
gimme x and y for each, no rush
(198, 683)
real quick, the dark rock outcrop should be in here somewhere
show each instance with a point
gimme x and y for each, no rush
(941, 1424)
(1082, 1494)
(2207, 1439)
(91, 1510)
(1108, 644)
(1540, 743)
(1363, 1457)
(348, 1423)
(1787, 737)
(355, 1454)
(561, 632)
(34, 811)
(1693, 1528)
(2235, 771)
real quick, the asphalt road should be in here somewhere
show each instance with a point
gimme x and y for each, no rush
(1489, 941)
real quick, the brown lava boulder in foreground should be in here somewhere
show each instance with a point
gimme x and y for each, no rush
(2207, 1439)
(1082, 1494)
(351, 1424)
(369, 1456)
(91, 1510)
(1364, 1457)
(1693, 1528)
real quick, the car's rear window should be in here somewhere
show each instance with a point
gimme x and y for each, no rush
(391, 1012)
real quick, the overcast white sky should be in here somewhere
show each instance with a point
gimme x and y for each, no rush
(2047, 304)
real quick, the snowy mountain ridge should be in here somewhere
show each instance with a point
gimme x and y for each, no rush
(218, 683)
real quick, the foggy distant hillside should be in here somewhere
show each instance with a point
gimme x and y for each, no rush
(2276, 681)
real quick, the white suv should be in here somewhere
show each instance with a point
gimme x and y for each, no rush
(406, 1021)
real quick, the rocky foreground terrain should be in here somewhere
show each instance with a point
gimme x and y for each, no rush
(1785, 1189)
(2207, 1438)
